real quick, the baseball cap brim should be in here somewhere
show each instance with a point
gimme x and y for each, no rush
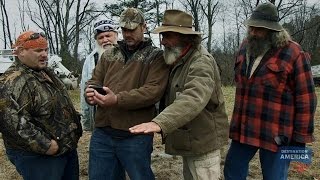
(129, 25)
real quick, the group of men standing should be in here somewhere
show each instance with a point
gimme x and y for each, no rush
(123, 80)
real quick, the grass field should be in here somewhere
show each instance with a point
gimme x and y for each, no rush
(168, 167)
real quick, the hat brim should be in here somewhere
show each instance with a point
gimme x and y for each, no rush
(182, 30)
(129, 25)
(264, 24)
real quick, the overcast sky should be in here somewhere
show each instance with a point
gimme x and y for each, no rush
(15, 23)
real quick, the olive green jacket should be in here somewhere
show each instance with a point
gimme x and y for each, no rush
(35, 109)
(194, 120)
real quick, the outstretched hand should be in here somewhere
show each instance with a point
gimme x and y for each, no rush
(149, 127)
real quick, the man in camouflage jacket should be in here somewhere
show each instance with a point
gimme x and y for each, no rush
(39, 124)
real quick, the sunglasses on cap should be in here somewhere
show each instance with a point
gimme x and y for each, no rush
(35, 36)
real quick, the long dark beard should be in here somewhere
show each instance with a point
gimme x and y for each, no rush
(171, 54)
(257, 45)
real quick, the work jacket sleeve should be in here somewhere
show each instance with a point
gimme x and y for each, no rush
(305, 100)
(192, 99)
(16, 119)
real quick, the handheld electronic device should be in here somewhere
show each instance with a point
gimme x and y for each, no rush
(99, 89)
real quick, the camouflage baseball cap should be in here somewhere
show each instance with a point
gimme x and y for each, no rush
(131, 18)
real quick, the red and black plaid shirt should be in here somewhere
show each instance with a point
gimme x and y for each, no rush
(278, 99)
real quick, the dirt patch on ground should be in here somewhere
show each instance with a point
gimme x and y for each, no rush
(167, 167)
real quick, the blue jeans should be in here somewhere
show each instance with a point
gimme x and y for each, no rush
(239, 156)
(33, 166)
(110, 157)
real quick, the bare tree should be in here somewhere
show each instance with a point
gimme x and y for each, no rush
(210, 11)
(5, 24)
(193, 6)
(63, 22)
(315, 43)
(235, 16)
(304, 26)
(21, 7)
(158, 14)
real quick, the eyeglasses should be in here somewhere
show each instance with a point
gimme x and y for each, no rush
(35, 36)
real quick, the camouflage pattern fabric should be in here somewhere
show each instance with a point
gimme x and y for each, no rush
(131, 18)
(34, 108)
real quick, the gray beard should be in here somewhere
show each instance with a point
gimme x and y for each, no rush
(171, 54)
(101, 50)
(257, 46)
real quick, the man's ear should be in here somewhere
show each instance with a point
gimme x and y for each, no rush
(19, 50)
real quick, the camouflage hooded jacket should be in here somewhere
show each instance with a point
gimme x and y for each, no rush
(35, 108)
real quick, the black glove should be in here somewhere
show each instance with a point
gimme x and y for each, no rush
(281, 140)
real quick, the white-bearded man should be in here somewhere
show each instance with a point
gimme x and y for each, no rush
(105, 35)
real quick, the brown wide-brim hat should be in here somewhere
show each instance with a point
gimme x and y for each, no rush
(265, 16)
(176, 21)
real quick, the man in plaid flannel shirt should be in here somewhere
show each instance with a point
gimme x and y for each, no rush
(275, 98)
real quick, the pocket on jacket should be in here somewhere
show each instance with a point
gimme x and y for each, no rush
(274, 75)
(181, 139)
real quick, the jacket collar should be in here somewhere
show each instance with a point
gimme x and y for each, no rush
(37, 74)
(128, 53)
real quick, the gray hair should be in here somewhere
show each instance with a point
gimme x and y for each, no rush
(194, 39)
(280, 39)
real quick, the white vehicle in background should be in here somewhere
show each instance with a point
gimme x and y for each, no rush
(316, 74)
(6, 59)
(54, 62)
(63, 73)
